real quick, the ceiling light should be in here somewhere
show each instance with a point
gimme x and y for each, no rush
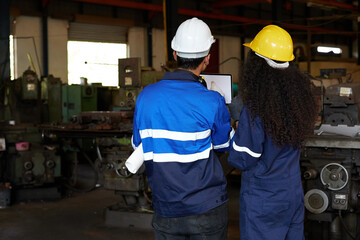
(323, 49)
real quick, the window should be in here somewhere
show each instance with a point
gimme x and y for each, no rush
(94, 61)
(12, 64)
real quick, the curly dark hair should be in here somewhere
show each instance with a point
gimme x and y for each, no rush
(282, 98)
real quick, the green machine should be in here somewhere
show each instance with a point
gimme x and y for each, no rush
(32, 167)
(30, 100)
(77, 99)
(51, 97)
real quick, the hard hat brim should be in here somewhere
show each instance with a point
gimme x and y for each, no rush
(282, 60)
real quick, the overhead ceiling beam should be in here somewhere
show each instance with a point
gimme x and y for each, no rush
(337, 4)
(233, 3)
(218, 16)
(127, 4)
(331, 4)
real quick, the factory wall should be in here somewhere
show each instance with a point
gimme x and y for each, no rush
(137, 44)
(351, 68)
(27, 44)
(27, 32)
(230, 53)
(158, 48)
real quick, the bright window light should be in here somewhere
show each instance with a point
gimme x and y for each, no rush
(97, 62)
(323, 49)
(12, 64)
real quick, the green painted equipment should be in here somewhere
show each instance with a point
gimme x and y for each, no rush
(77, 99)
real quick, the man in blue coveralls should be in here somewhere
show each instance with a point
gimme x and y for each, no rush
(278, 114)
(180, 124)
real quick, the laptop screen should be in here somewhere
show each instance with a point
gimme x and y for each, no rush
(222, 81)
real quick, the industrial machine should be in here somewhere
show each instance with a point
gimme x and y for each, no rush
(330, 163)
(108, 145)
(32, 167)
(51, 130)
(102, 140)
(77, 99)
(342, 104)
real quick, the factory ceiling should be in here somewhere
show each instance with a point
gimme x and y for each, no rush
(326, 21)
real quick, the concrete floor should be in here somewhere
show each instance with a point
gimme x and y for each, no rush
(81, 216)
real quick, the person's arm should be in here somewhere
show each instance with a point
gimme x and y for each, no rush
(222, 132)
(235, 108)
(135, 139)
(247, 146)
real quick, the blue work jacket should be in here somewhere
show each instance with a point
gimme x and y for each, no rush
(271, 194)
(180, 123)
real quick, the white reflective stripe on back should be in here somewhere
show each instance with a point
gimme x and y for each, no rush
(245, 149)
(180, 136)
(148, 156)
(227, 144)
(174, 157)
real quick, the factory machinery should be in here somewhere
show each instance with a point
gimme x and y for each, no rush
(49, 130)
(330, 163)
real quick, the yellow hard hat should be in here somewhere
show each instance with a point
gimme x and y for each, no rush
(273, 42)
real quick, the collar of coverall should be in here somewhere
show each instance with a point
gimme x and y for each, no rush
(196, 77)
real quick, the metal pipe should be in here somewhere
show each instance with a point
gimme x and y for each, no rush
(276, 7)
(358, 36)
(45, 40)
(233, 3)
(4, 41)
(45, 45)
(149, 47)
(171, 24)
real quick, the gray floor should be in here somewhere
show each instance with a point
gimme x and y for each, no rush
(81, 216)
(76, 217)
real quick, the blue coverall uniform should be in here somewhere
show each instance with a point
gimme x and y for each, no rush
(180, 123)
(271, 194)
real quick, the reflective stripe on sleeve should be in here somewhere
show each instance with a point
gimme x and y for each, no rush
(227, 144)
(247, 150)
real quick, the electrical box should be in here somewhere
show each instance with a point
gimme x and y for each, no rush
(125, 98)
(30, 85)
(129, 72)
(77, 99)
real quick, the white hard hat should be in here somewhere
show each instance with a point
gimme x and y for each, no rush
(193, 39)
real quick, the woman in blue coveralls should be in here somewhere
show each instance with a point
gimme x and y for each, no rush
(279, 112)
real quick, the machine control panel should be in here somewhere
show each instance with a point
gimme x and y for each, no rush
(339, 201)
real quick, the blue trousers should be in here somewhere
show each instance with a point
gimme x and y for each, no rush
(272, 210)
(211, 225)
